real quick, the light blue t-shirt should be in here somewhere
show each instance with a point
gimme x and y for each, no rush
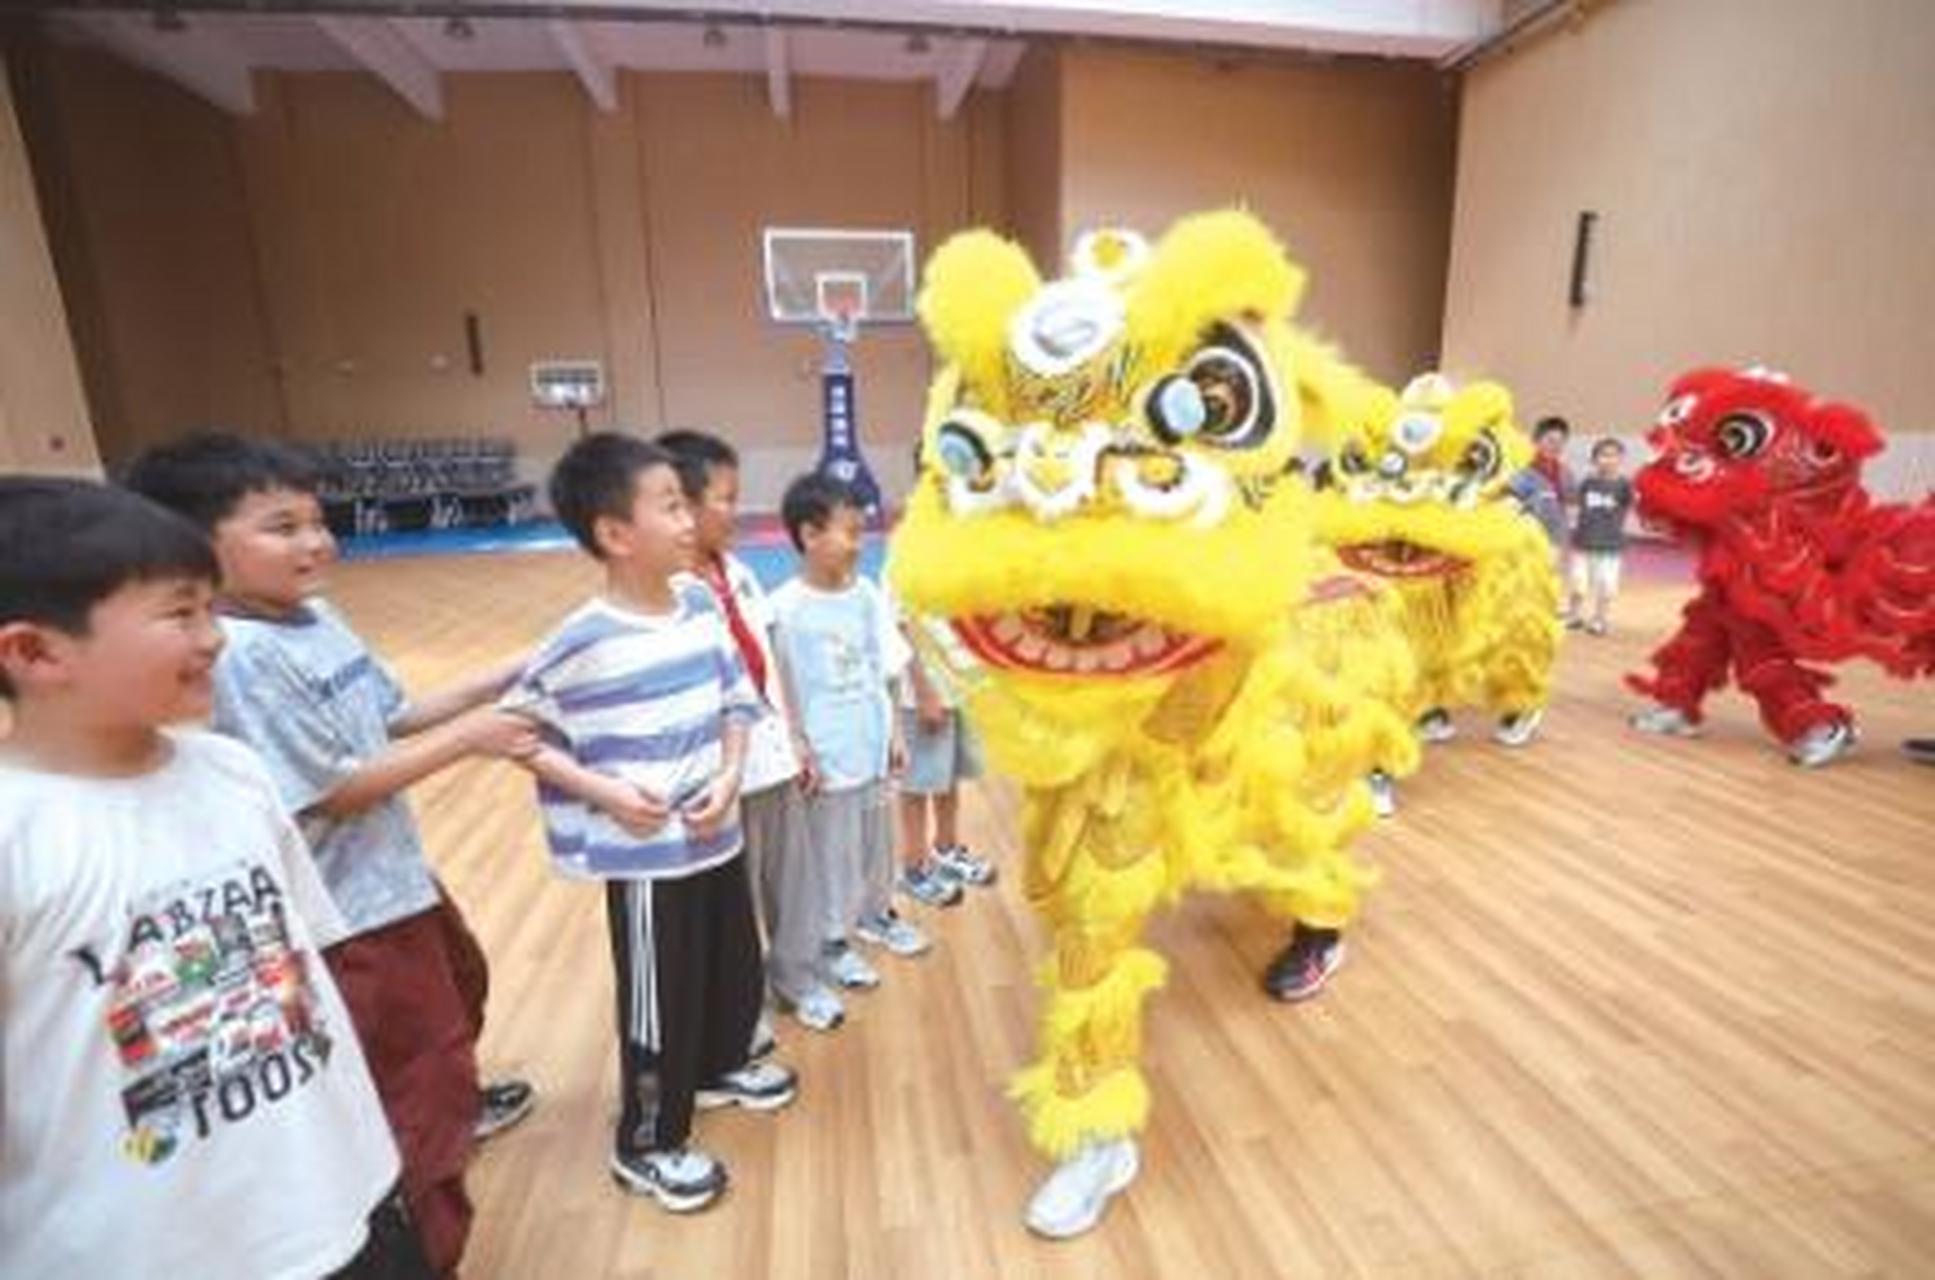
(841, 649)
(316, 705)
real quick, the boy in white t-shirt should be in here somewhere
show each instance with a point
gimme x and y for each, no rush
(181, 1091)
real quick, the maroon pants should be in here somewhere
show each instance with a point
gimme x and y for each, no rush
(416, 1000)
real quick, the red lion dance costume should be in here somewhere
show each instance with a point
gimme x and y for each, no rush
(1797, 564)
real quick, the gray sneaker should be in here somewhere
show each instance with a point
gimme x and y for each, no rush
(848, 968)
(1435, 726)
(1071, 1199)
(1383, 794)
(895, 934)
(757, 1086)
(1517, 730)
(929, 884)
(1823, 744)
(1667, 721)
(683, 1181)
(818, 1009)
(964, 866)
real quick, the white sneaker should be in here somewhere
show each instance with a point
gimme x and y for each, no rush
(1436, 726)
(757, 1086)
(818, 1009)
(1517, 730)
(1071, 1199)
(1383, 794)
(897, 935)
(682, 1181)
(848, 968)
(1823, 744)
(1667, 721)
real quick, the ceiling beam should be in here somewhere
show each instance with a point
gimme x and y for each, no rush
(192, 55)
(387, 54)
(579, 44)
(956, 75)
(779, 76)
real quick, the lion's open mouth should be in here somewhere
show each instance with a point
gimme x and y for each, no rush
(1078, 640)
(1396, 558)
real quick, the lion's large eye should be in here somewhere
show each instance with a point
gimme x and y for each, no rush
(1481, 458)
(1220, 397)
(1677, 410)
(1742, 435)
(963, 445)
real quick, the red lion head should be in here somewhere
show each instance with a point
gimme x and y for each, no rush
(1732, 441)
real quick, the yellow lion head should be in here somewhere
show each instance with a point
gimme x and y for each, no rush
(1417, 479)
(1105, 498)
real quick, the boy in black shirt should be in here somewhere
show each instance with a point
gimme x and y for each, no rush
(1599, 537)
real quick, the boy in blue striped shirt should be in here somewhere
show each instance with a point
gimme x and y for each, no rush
(644, 706)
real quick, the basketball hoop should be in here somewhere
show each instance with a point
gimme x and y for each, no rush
(834, 280)
(841, 298)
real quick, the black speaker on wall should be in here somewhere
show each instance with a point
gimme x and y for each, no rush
(474, 342)
(1581, 257)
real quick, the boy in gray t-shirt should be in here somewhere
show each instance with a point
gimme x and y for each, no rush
(1599, 537)
(342, 743)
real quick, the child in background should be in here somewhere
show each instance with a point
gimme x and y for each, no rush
(645, 706)
(1544, 489)
(1599, 537)
(772, 798)
(183, 1093)
(839, 653)
(342, 743)
(941, 754)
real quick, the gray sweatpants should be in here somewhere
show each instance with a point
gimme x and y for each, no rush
(787, 886)
(852, 832)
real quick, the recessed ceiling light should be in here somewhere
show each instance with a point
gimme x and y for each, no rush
(917, 42)
(457, 27)
(715, 36)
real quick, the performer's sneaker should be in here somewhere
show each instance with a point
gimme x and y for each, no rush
(683, 1181)
(1304, 966)
(501, 1104)
(1383, 793)
(1823, 744)
(1071, 1199)
(1920, 750)
(848, 968)
(889, 930)
(964, 866)
(757, 1086)
(1669, 722)
(1435, 726)
(930, 884)
(1517, 730)
(1597, 627)
(818, 1009)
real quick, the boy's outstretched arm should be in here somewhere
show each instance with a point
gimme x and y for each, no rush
(482, 731)
(453, 700)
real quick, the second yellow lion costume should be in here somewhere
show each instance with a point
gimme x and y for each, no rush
(1417, 502)
(1108, 520)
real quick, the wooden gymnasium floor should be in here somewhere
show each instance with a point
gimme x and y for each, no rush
(1620, 1007)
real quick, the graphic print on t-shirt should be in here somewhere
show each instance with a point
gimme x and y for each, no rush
(210, 1008)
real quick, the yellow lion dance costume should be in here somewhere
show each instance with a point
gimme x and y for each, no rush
(1108, 522)
(1417, 501)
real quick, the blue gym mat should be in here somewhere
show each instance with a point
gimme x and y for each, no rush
(772, 562)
